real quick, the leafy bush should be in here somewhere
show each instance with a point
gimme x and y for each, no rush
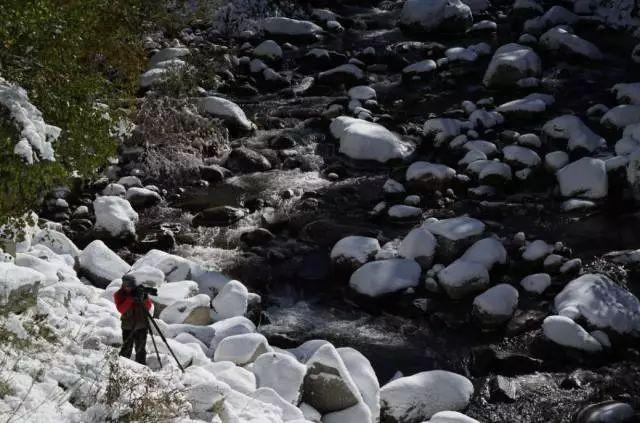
(70, 55)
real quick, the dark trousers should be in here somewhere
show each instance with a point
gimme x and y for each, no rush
(137, 337)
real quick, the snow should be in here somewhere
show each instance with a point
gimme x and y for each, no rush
(290, 413)
(497, 304)
(511, 63)
(443, 130)
(115, 216)
(385, 276)
(229, 327)
(269, 50)
(564, 331)
(365, 379)
(462, 278)
(348, 70)
(362, 140)
(241, 349)
(153, 76)
(418, 397)
(100, 264)
(227, 110)
(431, 174)
(436, 15)
(495, 172)
(355, 250)
(175, 268)
(15, 280)
(36, 136)
(561, 39)
(419, 245)
(451, 417)
(457, 228)
(282, 373)
(232, 301)
(115, 190)
(602, 303)
(169, 53)
(487, 147)
(627, 93)
(536, 283)
(586, 178)
(58, 242)
(362, 93)
(574, 204)
(193, 310)
(537, 250)
(460, 54)
(572, 129)
(621, 116)
(280, 26)
(523, 156)
(488, 252)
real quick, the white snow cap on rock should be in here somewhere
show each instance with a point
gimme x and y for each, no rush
(621, 116)
(356, 250)
(269, 50)
(451, 417)
(496, 304)
(564, 331)
(511, 63)
(537, 250)
(420, 245)
(488, 252)
(227, 110)
(561, 39)
(282, 373)
(115, 216)
(426, 172)
(242, 349)
(577, 134)
(100, 264)
(385, 276)
(436, 15)
(627, 93)
(286, 26)
(462, 278)
(362, 140)
(602, 303)
(586, 178)
(16, 280)
(36, 136)
(418, 397)
(536, 283)
(232, 301)
(444, 130)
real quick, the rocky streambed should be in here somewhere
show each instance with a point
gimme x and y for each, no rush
(437, 184)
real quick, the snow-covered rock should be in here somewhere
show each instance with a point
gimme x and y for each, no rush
(511, 63)
(436, 15)
(536, 283)
(419, 245)
(404, 212)
(602, 303)
(173, 292)
(496, 305)
(241, 349)
(56, 241)
(231, 301)
(556, 160)
(416, 398)
(455, 235)
(451, 417)
(575, 132)
(621, 116)
(141, 198)
(153, 76)
(290, 28)
(516, 155)
(101, 265)
(168, 53)
(175, 268)
(385, 276)
(268, 50)
(282, 373)
(191, 311)
(487, 251)
(564, 331)
(443, 130)
(36, 136)
(421, 68)
(627, 93)
(537, 250)
(430, 176)
(365, 379)
(462, 278)
(561, 40)
(556, 15)
(363, 140)
(586, 178)
(344, 74)
(18, 280)
(227, 110)
(362, 93)
(495, 173)
(354, 251)
(115, 217)
(233, 326)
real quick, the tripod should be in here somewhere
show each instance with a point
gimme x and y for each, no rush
(155, 325)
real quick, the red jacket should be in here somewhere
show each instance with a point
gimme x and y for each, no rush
(124, 302)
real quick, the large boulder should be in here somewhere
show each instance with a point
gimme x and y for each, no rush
(511, 63)
(191, 311)
(101, 265)
(241, 349)
(416, 398)
(602, 303)
(328, 386)
(586, 178)
(115, 218)
(567, 333)
(16, 281)
(175, 268)
(363, 140)
(282, 373)
(365, 379)
(385, 277)
(435, 16)
(227, 110)
(231, 301)
(56, 241)
(561, 40)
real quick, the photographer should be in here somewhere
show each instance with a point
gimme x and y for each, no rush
(133, 303)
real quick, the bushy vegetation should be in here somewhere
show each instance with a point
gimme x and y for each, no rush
(71, 56)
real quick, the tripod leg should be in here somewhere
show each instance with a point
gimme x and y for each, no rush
(155, 325)
(155, 347)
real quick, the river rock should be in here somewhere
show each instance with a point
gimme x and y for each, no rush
(430, 177)
(455, 235)
(268, 50)
(101, 265)
(328, 386)
(231, 301)
(462, 278)
(245, 160)
(175, 268)
(291, 29)
(227, 110)
(241, 349)
(602, 303)
(218, 216)
(606, 412)
(142, 198)
(579, 136)
(435, 16)
(282, 373)
(56, 241)
(214, 173)
(385, 277)
(562, 41)
(353, 251)
(488, 252)
(564, 331)
(348, 74)
(191, 311)
(586, 178)
(451, 417)
(416, 398)
(365, 379)
(419, 245)
(536, 283)
(496, 305)
(511, 63)
(115, 217)
(16, 281)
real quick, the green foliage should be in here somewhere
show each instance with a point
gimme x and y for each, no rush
(69, 55)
